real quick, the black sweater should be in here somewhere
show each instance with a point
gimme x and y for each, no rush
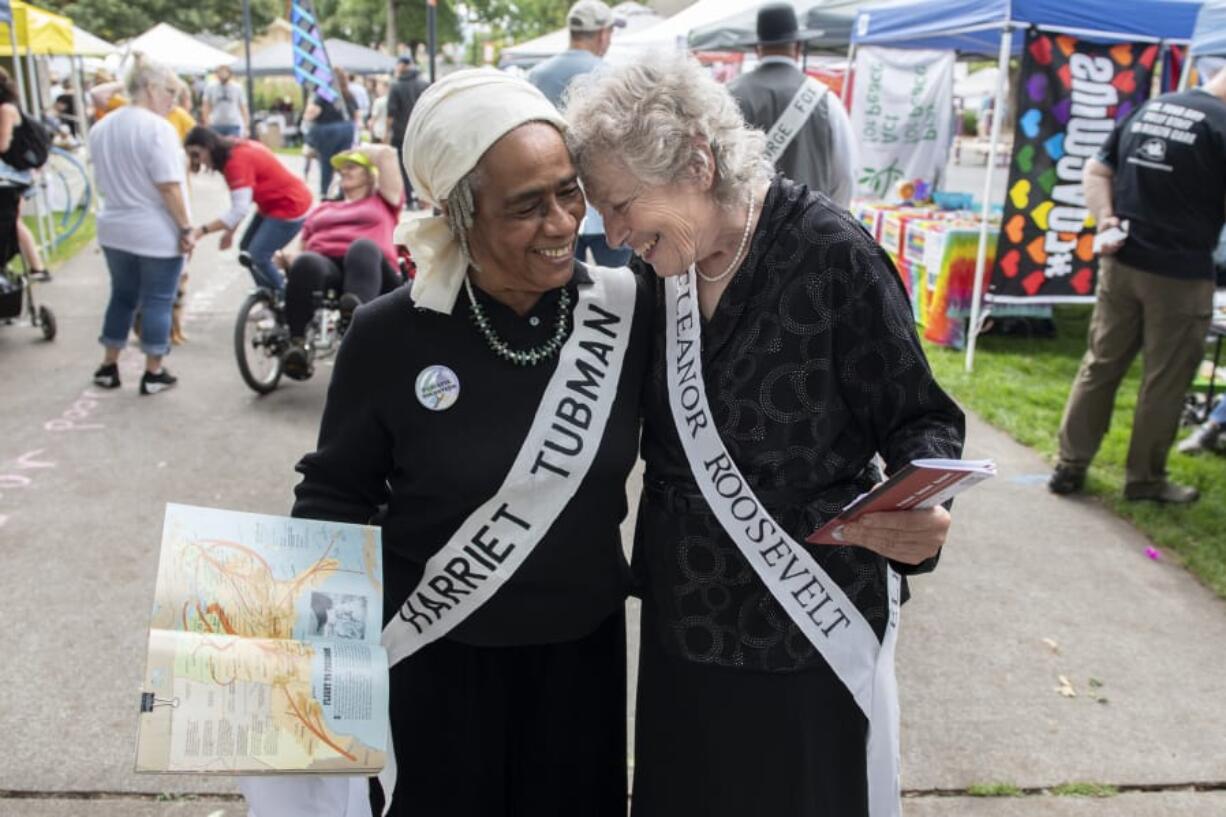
(812, 368)
(378, 445)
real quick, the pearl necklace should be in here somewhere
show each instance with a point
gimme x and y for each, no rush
(736, 259)
(526, 357)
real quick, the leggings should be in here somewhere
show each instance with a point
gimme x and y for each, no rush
(363, 271)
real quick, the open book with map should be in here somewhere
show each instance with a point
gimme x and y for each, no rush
(264, 653)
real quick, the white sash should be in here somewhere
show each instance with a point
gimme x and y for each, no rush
(498, 537)
(816, 604)
(793, 117)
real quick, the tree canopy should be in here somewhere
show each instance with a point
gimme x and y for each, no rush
(121, 19)
(520, 19)
(364, 21)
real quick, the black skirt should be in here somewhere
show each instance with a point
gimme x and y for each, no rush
(712, 741)
(525, 731)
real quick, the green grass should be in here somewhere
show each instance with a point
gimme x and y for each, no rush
(994, 790)
(1020, 386)
(70, 247)
(1084, 790)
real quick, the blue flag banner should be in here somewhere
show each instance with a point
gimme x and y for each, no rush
(312, 69)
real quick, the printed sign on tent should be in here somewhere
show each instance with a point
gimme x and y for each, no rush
(901, 103)
(1071, 95)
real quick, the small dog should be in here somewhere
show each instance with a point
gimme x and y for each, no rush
(177, 338)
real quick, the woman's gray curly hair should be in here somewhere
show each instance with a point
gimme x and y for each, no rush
(647, 115)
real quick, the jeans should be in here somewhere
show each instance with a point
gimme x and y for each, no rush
(1218, 415)
(261, 240)
(151, 284)
(329, 139)
(364, 272)
(228, 130)
(602, 253)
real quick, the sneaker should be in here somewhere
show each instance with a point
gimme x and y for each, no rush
(107, 376)
(347, 303)
(1067, 480)
(1203, 439)
(154, 383)
(296, 364)
(1165, 492)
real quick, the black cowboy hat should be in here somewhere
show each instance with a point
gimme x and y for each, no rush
(777, 25)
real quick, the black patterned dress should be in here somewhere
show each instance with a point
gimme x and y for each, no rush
(812, 367)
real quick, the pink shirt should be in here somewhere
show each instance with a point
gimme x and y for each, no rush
(333, 225)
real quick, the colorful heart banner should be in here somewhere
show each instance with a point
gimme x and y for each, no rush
(1073, 93)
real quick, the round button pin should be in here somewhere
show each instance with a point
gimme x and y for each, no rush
(437, 388)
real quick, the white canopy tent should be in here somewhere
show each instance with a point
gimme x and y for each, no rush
(637, 16)
(181, 52)
(90, 45)
(977, 84)
(674, 32)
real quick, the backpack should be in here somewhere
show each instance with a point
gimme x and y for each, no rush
(30, 146)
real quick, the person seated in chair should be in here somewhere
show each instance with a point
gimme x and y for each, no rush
(347, 246)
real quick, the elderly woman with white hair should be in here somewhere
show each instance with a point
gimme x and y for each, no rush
(786, 361)
(494, 409)
(144, 225)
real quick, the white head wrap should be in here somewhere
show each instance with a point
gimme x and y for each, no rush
(453, 124)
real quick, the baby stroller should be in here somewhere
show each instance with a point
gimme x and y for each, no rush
(15, 289)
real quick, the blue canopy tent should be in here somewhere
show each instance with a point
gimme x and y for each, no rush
(986, 27)
(1208, 37)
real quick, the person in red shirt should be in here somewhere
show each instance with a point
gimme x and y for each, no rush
(346, 245)
(255, 176)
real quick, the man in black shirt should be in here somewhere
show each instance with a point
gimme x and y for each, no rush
(401, 98)
(1160, 176)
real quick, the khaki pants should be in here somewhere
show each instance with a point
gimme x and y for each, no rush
(1136, 311)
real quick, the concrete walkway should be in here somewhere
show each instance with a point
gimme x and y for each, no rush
(1031, 588)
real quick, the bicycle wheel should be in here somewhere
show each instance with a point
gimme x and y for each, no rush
(46, 322)
(259, 342)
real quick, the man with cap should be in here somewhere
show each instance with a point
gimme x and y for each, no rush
(809, 135)
(224, 105)
(591, 25)
(401, 98)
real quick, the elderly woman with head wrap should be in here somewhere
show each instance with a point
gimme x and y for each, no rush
(786, 362)
(493, 408)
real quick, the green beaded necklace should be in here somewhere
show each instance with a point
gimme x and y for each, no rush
(525, 357)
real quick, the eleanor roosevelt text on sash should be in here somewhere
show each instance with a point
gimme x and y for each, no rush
(812, 600)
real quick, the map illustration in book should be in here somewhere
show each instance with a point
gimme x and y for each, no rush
(264, 652)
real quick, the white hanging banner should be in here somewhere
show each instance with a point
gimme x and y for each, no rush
(902, 112)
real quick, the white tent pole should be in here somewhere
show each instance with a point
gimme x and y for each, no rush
(42, 216)
(1006, 45)
(78, 94)
(21, 88)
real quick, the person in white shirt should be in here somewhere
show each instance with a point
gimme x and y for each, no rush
(144, 224)
(378, 123)
(224, 105)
